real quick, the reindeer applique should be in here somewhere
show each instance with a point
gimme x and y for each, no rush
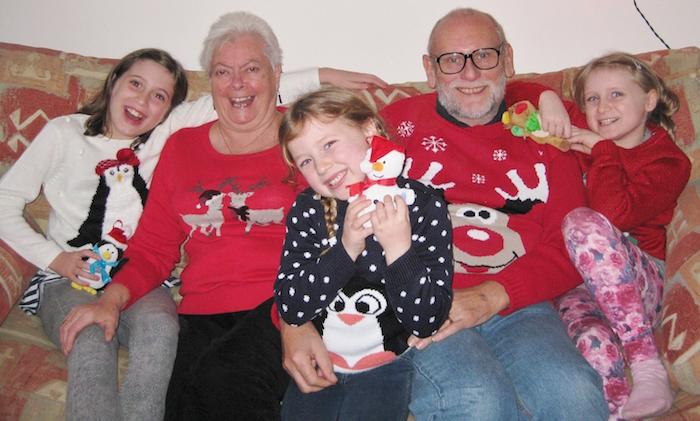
(484, 242)
(252, 217)
(213, 219)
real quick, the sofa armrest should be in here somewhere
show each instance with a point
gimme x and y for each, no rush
(679, 335)
(15, 273)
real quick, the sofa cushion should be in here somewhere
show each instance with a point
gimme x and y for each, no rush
(33, 372)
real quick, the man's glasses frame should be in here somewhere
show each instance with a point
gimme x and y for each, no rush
(466, 57)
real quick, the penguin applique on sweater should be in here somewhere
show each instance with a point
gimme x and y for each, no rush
(359, 328)
(120, 196)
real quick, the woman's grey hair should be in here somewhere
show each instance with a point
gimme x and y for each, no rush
(232, 25)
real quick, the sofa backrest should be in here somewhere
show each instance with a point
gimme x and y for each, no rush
(39, 84)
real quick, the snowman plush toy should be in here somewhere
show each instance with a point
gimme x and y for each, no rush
(382, 164)
(111, 249)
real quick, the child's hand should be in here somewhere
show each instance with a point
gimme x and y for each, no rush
(70, 264)
(583, 140)
(354, 234)
(555, 119)
(392, 227)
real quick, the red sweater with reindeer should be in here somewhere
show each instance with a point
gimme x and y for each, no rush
(507, 197)
(231, 210)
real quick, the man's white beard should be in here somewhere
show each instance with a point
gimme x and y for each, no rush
(447, 96)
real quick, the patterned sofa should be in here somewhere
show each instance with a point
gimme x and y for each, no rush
(39, 84)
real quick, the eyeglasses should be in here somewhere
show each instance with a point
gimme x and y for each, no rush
(483, 59)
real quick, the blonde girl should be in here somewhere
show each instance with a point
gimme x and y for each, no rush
(366, 289)
(623, 133)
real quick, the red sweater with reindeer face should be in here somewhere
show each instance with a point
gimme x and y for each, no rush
(231, 210)
(507, 197)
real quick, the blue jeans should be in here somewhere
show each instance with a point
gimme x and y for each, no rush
(380, 394)
(522, 366)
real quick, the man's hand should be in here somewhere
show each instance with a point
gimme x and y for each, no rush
(470, 307)
(104, 311)
(349, 80)
(306, 358)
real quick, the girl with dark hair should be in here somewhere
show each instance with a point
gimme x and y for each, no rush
(98, 109)
(87, 165)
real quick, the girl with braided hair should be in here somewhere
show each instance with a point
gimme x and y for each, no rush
(365, 288)
(634, 174)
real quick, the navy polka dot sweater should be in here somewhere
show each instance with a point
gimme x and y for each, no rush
(366, 306)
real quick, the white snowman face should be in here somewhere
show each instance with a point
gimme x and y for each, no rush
(388, 166)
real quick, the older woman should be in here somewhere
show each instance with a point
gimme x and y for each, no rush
(220, 187)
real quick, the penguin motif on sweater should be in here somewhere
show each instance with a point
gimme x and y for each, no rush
(356, 327)
(120, 196)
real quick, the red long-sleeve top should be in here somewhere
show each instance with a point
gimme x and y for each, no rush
(636, 189)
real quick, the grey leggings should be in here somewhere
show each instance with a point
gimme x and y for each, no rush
(149, 329)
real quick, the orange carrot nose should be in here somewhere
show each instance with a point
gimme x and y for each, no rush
(350, 319)
(377, 166)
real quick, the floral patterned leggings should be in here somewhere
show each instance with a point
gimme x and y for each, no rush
(619, 304)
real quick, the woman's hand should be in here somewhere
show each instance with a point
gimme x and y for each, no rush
(555, 118)
(305, 357)
(349, 80)
(354, 234)
(392, 227)
(70, 264)
(104, 311)
(583, 140)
